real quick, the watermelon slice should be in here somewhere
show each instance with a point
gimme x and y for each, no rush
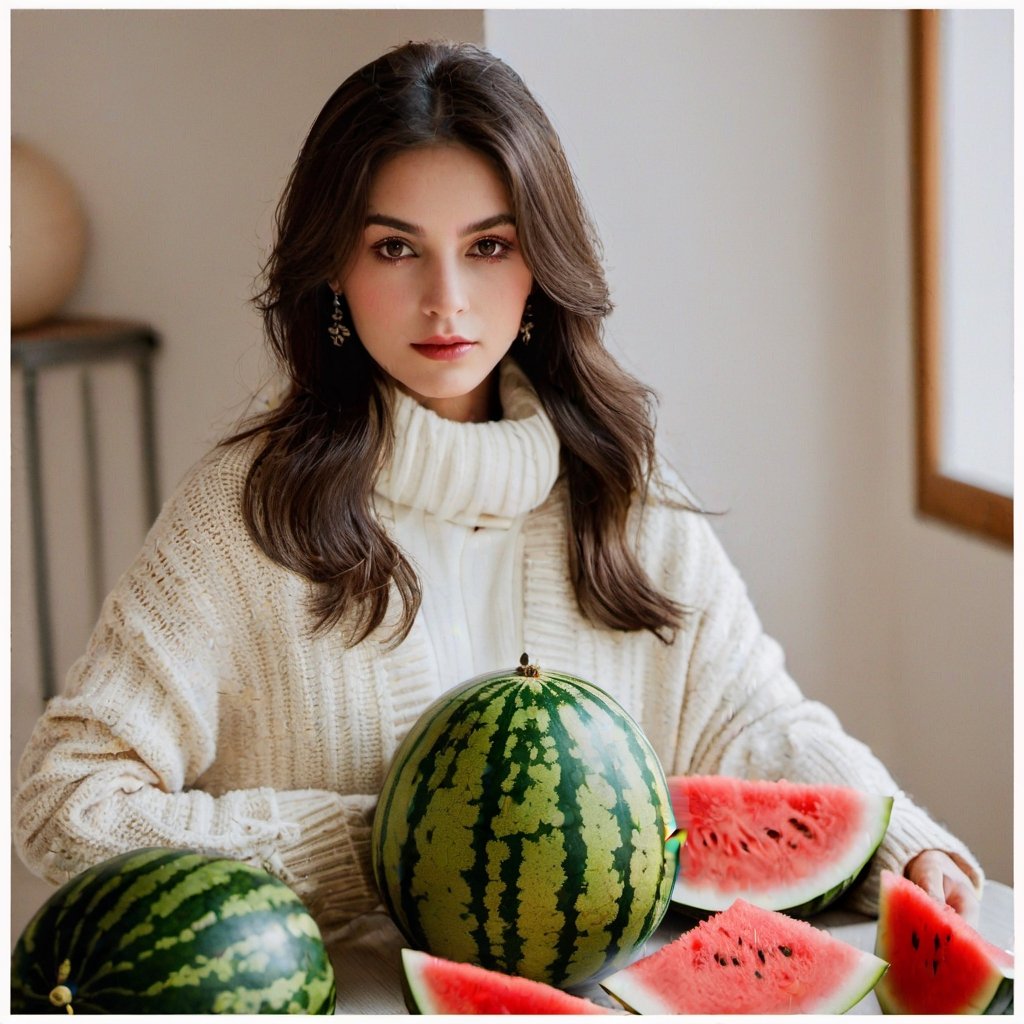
(940, 964)
(748, 960)
(435, 985)
(780, 845)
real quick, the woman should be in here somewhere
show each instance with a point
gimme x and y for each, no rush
(457, 471)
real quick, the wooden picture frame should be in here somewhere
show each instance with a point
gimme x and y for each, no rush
(940, 496)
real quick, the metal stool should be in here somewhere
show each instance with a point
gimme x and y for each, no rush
(85, 341)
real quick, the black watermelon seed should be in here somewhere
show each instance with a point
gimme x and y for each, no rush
(935, 967)
(948, 937)
(735, 961)
(746, 849)
(739, 941)
(936, 941)
(757, 974)
(785, 951)
(714, 837)
(772, 834)
(914, 940)
(760, 954)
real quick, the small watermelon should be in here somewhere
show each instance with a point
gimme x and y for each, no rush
(939, 963)
(525, 826)
(780, 845)
(748, 960)
(435, 985)
(172, 932)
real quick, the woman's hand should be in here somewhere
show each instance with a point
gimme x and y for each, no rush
(942, 878)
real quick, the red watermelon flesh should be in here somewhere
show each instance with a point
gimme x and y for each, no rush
(781, 845)
(939, 963)
(436, 985)
(748, 960)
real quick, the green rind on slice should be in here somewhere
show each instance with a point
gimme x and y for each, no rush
(634, 997)
(802, 897)
(416, 994)
(1002, 1002)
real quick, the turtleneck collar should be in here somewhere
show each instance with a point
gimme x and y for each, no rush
(475, 474)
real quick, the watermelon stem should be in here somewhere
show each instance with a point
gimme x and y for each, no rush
(526, 669)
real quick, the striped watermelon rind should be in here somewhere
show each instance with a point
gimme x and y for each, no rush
(524, 826)
(172, 931)
(826, 848)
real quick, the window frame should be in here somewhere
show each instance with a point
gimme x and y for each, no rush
(939, 496)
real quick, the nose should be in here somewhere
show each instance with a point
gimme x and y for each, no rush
(444, 291)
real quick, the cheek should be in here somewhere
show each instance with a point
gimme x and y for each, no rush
(509, 297)
(373, 302)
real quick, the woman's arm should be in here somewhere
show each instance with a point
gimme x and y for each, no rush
(743, 715)
(117, 763)
(86, 794)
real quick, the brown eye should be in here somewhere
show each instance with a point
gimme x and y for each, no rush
(393, 249)
(491, 248)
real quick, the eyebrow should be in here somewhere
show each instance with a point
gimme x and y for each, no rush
(414, 229)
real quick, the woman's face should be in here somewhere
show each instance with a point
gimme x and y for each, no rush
(438, 285)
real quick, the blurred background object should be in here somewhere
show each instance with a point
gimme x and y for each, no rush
(48, 236)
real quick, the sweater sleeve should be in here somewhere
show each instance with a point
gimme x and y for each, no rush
(116, 762)
(744, 716)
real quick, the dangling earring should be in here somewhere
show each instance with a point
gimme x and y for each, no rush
(338, 331)
(527, 324)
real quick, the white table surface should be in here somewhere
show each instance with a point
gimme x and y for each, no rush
(369, 971)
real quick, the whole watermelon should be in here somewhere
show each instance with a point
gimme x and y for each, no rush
(172, 931)
(525, 826)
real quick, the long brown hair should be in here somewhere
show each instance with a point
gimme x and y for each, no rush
(308, 495)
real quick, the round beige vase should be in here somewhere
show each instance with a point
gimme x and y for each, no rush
(48, 236)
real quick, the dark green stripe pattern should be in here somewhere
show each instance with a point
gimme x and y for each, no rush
(173, 931)
(524, 826)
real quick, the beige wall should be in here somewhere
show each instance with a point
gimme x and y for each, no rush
(748, 171)
(178, 129)
(749, 174)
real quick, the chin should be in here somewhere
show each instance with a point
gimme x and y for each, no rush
(446, 382)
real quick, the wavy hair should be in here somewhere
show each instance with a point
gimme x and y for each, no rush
(308, 497)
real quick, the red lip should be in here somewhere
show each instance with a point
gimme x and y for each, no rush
(441, 347)
(441, 339)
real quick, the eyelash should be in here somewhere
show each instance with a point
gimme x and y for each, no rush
(379, 247)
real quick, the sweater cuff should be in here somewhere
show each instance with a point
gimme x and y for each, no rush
(328, 862)
(911, 831)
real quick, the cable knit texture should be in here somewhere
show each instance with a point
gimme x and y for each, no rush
(204, 715)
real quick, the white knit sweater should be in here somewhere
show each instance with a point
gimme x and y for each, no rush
(205, 715)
